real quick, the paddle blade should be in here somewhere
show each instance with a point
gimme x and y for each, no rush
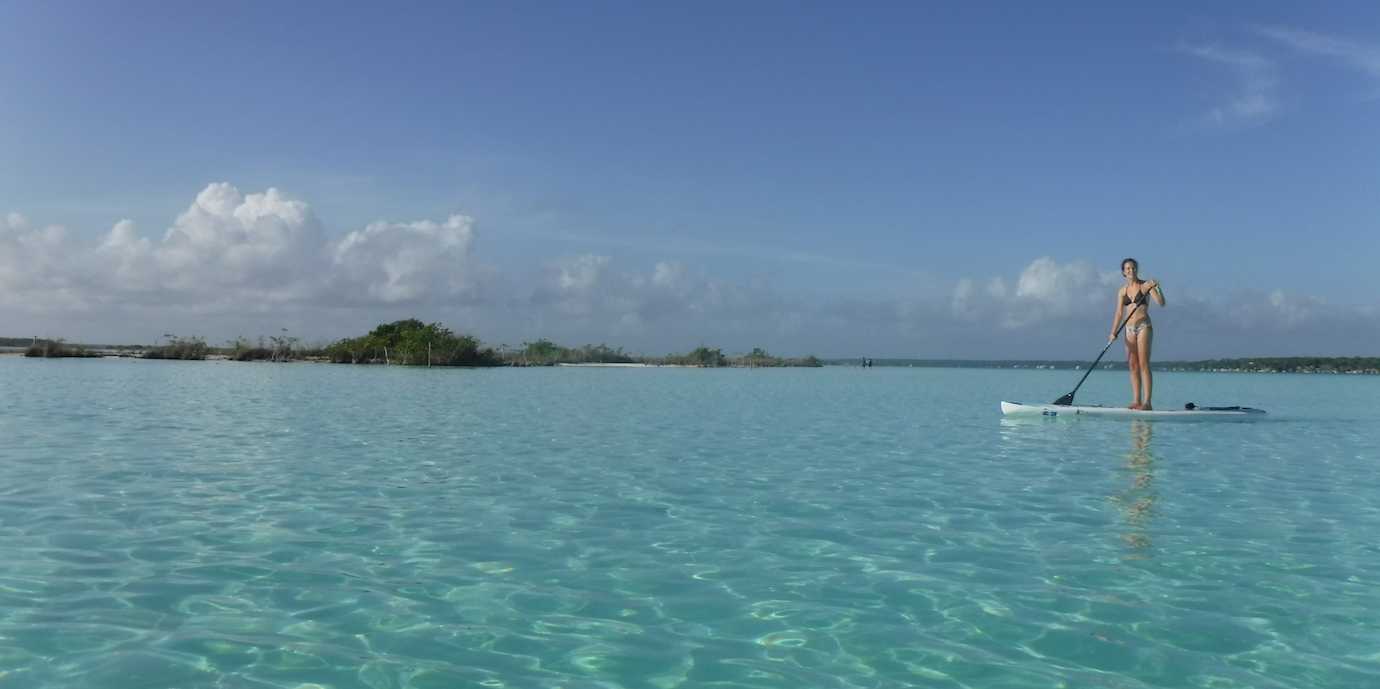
(1064, 401)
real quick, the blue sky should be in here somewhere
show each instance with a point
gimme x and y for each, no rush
(885, 180)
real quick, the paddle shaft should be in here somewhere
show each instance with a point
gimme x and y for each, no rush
(1068, 399)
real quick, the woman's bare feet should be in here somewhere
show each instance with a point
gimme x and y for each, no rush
(1147, 407)
(1133, 405)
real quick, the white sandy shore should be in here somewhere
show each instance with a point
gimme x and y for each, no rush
(598, 365)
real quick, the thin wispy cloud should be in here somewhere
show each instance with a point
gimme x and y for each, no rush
(1364, 57)
(686, 245)
(1253, 99)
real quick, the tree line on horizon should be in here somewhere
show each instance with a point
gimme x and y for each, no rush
(1295, 364)
(408, 342)
(411, 342)
(414, 343)
(173, 347)
(1285, 364)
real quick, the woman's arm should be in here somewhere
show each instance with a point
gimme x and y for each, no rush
(1156, 292)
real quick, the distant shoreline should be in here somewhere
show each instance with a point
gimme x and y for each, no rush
(1322, 365)
(1308, 365)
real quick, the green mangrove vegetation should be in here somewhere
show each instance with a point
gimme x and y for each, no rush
(276, 348)
(544, 352)
(412, 343)
(56, 349)
(408, 342)
(704, 357)
(759, 358)
(185, 348)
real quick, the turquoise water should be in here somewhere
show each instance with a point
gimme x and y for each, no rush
(168, 524)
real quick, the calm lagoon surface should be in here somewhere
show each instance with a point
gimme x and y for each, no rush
(218, 524)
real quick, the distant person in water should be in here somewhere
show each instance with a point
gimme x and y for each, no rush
(1133, 305)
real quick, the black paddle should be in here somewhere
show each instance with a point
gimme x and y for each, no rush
(1067, 400)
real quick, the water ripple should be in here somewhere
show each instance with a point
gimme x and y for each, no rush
(212, 525)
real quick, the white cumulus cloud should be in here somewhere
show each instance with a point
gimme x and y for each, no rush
(231, 250)
(227, 239)
(1045, 290)
(36, 271)
(235, 262)
(580, 274)
(405, 262)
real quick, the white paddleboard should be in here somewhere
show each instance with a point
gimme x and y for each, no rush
(1018, 409)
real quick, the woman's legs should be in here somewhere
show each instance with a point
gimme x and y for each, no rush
(1147, 385)
(1133, 364)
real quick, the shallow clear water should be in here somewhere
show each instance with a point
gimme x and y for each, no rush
(254, 525)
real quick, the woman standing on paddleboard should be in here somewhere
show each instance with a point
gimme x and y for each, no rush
(1133, 304)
